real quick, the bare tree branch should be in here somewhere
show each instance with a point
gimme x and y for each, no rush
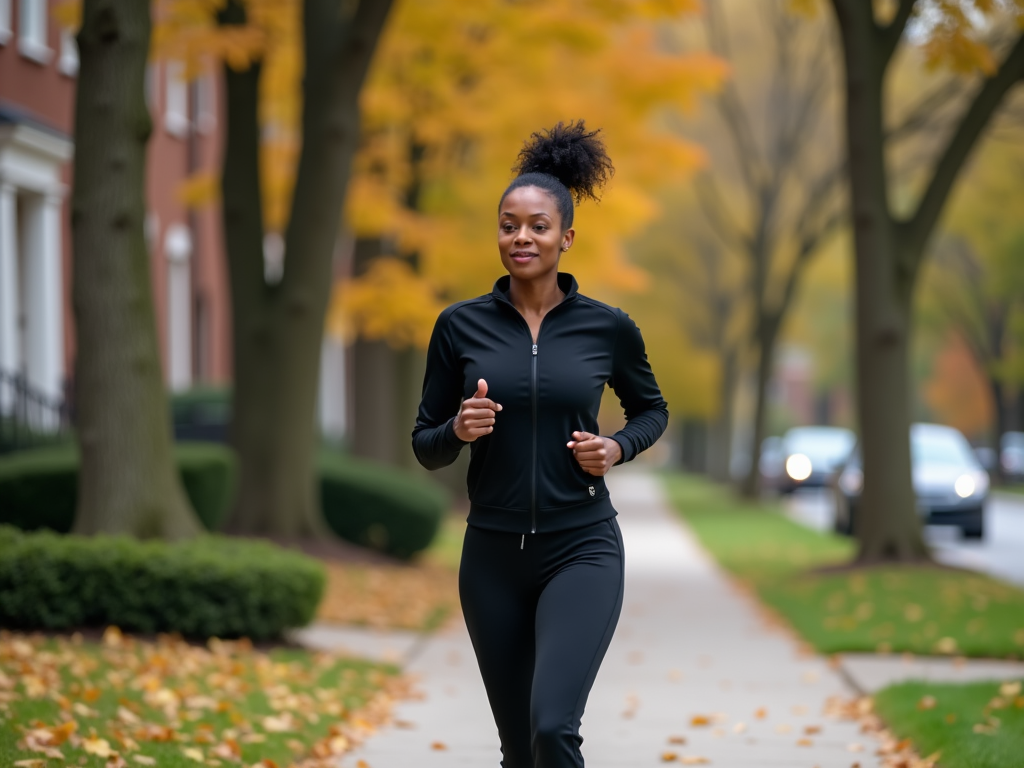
(892, 33)
(977, 117)
(712, 203)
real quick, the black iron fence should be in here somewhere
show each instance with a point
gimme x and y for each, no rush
(29, 417)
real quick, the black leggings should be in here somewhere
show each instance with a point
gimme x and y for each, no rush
(541, 610)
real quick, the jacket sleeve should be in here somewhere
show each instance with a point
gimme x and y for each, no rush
(638, 392)
(433, 438)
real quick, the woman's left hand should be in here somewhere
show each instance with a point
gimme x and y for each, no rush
(595, 454)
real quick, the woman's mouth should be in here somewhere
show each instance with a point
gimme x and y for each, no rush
(521, 257)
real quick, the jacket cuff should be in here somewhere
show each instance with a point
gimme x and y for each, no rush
(453, 440)
(626, 446)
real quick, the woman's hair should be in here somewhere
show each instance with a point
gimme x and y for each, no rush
(568, 162)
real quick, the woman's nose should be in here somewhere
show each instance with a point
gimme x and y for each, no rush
(523, 235)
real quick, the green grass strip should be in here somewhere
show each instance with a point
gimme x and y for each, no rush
(972, 725)
(923, 610)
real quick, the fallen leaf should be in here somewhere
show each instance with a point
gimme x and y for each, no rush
(698, 721)
(97, 746)
(811, 730)
(676, 739)
(761, 713)
(439, 745)
(694, 760)
(926, 702)
(669, 757)
(144, 759)
(804, 743)
(1010, 689)
(193, 753)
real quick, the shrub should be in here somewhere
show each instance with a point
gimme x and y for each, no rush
(379, 507)
(39, 488)
(207, 587)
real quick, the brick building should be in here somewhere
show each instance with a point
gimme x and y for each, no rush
(38, 66)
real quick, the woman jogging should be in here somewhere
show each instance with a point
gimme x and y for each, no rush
(518, 375)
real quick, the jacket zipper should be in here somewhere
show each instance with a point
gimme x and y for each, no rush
(533, 420)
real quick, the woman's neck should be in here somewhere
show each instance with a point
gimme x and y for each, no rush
(535, 297)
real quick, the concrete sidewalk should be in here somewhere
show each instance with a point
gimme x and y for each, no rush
(688, 644)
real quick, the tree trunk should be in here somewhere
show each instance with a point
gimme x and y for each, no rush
(279, 329)
(720, 430)
(887, 526)
(1001, 423)
(128, 482)
(767, 334)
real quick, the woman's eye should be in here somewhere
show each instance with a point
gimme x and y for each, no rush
(540, 228)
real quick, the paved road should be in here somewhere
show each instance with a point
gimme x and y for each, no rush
(688, 644)
(1001, 553)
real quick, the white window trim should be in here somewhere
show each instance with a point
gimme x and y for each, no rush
(5, 21)
(175, 100)
(33, 46)
(67, 63)
(206, 104)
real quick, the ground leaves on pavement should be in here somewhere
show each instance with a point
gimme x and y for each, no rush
(417, 597)
(129, 702)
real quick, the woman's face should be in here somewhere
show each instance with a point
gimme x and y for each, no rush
(530, 236)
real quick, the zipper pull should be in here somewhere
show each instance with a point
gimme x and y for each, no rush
(535, 349)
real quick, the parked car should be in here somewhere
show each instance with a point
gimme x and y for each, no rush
(1011, 455)
(808, 456)
(950, 484)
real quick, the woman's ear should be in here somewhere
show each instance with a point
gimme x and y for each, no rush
(567, 238)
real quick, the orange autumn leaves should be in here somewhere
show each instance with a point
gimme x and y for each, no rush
(389, 596)
(131, 702)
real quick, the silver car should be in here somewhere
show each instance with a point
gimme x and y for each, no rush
(807, 456)
(950, 484)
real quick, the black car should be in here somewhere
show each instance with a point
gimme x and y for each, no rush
(950, 484)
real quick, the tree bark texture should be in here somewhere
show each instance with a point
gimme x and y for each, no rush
(887, 526)
(128, 482)
(279, 328)
(888, 255)
(719, 446)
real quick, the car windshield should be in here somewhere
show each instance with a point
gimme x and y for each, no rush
(830, 444)
(930, 446)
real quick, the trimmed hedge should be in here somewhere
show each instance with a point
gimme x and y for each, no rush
(379, 507)
(39, 488)
(207, 587)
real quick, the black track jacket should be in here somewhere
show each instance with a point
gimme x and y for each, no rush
(522, 477)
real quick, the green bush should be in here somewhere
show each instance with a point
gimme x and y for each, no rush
(379, 507)
(207, 587)
(39, 488)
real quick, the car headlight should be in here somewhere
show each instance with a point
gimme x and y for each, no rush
(973, 484)
(798, 467)
(851, 481)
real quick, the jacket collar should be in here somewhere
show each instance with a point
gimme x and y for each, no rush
(566, 282)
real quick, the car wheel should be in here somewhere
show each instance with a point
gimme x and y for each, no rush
(975, 529)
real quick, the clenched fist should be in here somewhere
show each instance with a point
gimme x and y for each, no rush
(476, 417)
(595, 454)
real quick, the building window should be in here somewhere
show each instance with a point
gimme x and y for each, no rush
(5, 21)
(68, 61)
(176, 100)
(178, 252)
(204, 104)
(32, 31)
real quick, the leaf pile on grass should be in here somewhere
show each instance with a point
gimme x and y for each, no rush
(418, 597)
(926, 610)
(893, 751)
(968, 725)
(130, 702)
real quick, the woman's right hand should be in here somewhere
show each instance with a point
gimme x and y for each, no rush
(476, 417)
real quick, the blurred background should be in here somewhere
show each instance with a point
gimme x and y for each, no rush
(725, 232)
(227, 228)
